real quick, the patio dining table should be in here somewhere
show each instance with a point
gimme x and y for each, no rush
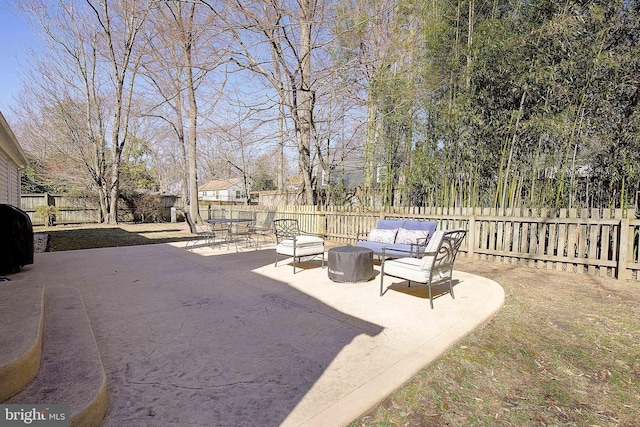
(226, 225)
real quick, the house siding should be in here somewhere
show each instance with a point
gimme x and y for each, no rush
(14, 186)
(4, 180)
(221, 191)
(9, 183)
(12, 158)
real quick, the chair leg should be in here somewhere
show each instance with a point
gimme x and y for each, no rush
(430, 296)
(381, 277)
(451, 283)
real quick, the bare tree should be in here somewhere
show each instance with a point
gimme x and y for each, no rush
(63, 95)
(93, 62)
(287, 30)
(240, 140)
(181, 51)
(119, 24)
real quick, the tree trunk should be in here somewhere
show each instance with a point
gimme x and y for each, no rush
(305, 106)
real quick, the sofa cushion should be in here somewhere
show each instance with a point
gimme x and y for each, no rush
(408, 237)
(382, 235)
(414, 224)
(390, 224)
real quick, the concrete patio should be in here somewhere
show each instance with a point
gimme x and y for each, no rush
(214, 337)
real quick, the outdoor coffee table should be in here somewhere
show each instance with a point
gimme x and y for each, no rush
(350, 264)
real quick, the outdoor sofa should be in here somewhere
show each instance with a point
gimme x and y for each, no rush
(399, 237)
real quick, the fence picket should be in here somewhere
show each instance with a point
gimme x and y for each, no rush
(595, 242)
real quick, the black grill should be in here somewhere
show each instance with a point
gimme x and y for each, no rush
(16, 239)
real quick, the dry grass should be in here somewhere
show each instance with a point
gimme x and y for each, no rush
(86, 236)
(564, 350)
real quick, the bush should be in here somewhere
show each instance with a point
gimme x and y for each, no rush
(47, 213)
(147, 208)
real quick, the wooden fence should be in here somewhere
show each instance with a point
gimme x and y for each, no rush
(81, 210)
(69, 209)
(596, 242)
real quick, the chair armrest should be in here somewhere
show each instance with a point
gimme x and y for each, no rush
(384, 249)
(421, 242)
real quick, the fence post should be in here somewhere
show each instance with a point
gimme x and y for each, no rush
(321, 225)
(623, 244)
(471, 236)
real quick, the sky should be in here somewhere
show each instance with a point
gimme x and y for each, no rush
(16, 39)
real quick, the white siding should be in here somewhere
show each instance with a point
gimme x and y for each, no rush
(4, 180)
(14, 186)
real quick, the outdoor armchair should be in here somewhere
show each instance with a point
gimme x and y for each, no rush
(293, 242)
(264, 228)
(199, 232)
(245, 231)
(436, 264)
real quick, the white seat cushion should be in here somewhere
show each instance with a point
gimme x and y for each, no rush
(406, 268)
(304, 245)
(303, 241)
(411, 269)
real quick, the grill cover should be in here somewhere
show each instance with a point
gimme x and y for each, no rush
(16, 239)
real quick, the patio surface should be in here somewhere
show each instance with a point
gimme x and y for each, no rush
(210, 337)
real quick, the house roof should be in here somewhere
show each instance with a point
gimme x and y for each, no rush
(220, 184)
(9, 144)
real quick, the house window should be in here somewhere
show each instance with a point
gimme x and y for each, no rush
(238, 194)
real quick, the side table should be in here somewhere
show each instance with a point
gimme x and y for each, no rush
(350, 264)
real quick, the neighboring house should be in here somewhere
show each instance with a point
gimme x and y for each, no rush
(348, 173)
(228, 191)
(12, 160)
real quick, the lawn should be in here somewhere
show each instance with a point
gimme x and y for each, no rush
(87, 236)
(564, 350)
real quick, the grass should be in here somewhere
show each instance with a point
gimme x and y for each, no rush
(563, 351)
(67, 238)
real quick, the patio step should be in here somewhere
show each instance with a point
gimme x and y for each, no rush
(71, 370)
(21, 317)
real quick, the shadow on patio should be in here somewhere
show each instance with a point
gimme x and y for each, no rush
(189, 338)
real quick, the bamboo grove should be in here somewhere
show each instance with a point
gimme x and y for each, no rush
(499, 103)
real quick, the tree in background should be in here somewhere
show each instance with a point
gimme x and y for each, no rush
(499, 103)
(291, 34)
(85, 82)
(181, 51)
